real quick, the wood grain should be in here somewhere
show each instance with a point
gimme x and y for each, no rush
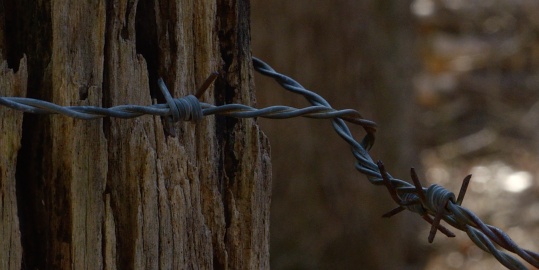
(129, 194)
(11, 84)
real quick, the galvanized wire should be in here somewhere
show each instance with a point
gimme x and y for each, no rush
(432, 203)
(187, 109)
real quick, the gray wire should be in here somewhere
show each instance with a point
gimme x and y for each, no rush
(482, 235)
(185, 109)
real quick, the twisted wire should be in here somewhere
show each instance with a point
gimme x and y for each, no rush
(180, 109)
(433, 203)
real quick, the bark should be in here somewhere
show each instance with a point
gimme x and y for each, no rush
(11, 84)
(130, 194)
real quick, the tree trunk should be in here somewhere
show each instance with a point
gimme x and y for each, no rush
(130, 194)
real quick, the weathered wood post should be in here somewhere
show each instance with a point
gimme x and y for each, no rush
(125, 194)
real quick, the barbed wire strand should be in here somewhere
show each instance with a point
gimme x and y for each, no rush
(181, 109)
(432, 204)
(433, 201)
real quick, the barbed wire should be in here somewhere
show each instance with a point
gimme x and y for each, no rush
(181, 109)
(433, 203)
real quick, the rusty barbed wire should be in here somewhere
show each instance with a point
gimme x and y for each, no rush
(433, 203)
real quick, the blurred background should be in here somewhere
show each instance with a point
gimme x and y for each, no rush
(454, 88)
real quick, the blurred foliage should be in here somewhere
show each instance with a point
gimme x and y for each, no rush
(478, 94)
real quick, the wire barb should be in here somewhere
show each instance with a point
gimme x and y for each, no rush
(416, 199)
(206, 84)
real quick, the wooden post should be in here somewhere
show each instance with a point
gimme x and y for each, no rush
(11, 84)
(360, 55)
(130, 194)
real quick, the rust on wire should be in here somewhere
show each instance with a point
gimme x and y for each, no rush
(206, 84)
(433, 204)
